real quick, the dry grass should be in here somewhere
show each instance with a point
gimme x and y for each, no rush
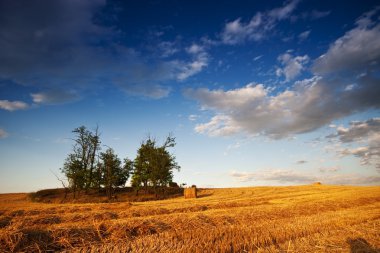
(315, 218)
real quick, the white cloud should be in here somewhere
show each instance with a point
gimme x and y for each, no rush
(360, 139)
(308, 104)
(219, 125)
(256, 29)
(51, 97)
(358, 130)
(329, 169)
(199, 62)
(193, 117)
(13, 105)
(168, 48)
(292, 66)
(304, 35)
(357, 51)
(364, 133)
(284, 12)
(3, 134)
(278, 175)
(195, 49)
(294, 177)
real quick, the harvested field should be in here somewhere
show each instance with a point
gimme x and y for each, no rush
(313, 218)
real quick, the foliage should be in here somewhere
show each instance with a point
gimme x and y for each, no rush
(154, 165)
(85, 168)
(80, 164)
(113, 174)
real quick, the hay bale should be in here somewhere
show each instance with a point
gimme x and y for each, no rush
(190, 193)
(317, 183)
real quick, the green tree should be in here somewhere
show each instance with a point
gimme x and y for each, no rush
(79, 165)
(113, 173)
(154, 165)
(74, 172)
(142, 165)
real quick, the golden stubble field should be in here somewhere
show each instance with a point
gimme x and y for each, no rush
(313, 218)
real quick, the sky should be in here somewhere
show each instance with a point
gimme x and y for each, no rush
(255, 92)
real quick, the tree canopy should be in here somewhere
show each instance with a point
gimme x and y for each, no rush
(86, 167)
(154, 165)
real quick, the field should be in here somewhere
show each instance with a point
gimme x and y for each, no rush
(313, 218)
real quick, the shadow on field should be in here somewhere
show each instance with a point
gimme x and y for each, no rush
(360, 245)
(204, 195)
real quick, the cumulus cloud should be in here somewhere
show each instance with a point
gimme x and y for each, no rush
(3, 134)
(307, 104)
(294, 177)
(358, 130)
(219, 125)
(367, 135)
(52, 97)
(13, 105)
(292, 66)
(357, 51)
(257, 28)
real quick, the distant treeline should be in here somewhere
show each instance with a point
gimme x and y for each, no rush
(86, 167)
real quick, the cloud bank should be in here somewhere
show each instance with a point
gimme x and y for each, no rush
(13, 105)
(335, 91)
(367, 136)
(61, 46)
(52, 97)
(357, 51)
(294, 177)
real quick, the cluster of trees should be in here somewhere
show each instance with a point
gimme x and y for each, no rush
(88, 168)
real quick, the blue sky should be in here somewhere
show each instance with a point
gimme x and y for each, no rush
(256, 93)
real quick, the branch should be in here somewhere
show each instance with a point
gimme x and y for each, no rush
(59, 179)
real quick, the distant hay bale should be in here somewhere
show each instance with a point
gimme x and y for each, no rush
(190, 193)
(317, 183)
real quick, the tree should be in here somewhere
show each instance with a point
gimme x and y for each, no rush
(142, 165)
(74, 172)
(154, 165)
(94, 141)
(79, 166)
(113, 173)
